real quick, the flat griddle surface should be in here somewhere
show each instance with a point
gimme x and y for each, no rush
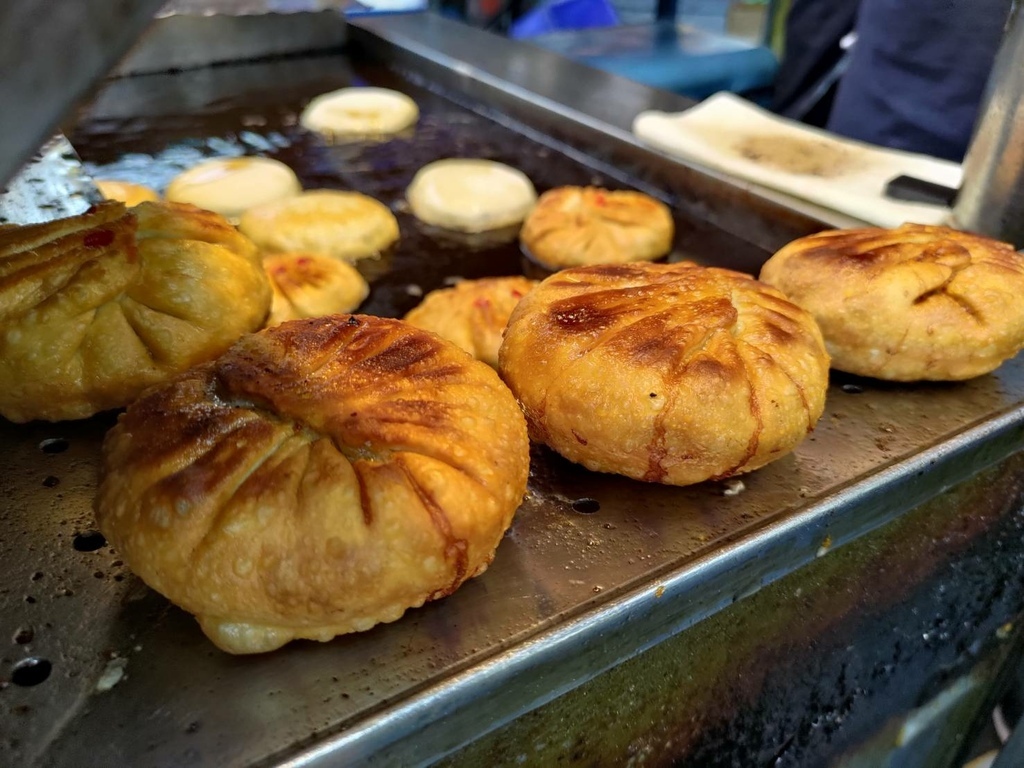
(580, 541)
(263, 120)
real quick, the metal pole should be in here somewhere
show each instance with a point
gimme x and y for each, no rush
(991, 200)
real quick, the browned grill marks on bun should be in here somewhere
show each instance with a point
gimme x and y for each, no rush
(401, 356)
(671, 373)
(656, 452)
(913, 303)
(360, 468)
(455, 549)
(583, 315)
(755, 436)
(302, 486)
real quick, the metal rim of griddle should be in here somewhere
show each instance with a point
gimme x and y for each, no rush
(552, 660)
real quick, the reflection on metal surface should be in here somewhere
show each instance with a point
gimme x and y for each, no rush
(52, 185)
(930, 736)
(820, 668)
(935, 711)
(198, 33)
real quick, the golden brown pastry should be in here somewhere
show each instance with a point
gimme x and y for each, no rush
(473, 314)
(579, 226)
(344, 225)
(321, 477)
(310, 285)
(670, 373)
(913, 303)
(97, 307)
(126, 192)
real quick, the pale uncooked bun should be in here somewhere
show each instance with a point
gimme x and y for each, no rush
(126, 192)
(359, 111)
(669, 373)
(97, 307)
(473, 314)
(319, 478)
(580, 226)
(470, 195)
(311, 285)
(230, 186)
(908, 304)
(344, 225)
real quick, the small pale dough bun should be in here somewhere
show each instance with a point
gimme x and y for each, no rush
(580, 226)
(310, 285)
(126, 192)
(359, 111)
(232, 185)
(908, 304)
(344, 225)
(319, 478)
(470, 195)
(473, 314)
(668, 373)
(97, 307)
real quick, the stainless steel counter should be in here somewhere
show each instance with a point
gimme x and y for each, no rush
(595, 570)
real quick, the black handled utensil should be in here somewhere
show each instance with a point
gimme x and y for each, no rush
(913, 190)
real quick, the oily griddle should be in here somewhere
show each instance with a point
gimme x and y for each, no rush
(262, 119)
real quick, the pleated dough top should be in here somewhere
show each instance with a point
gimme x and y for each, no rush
(581, 226)
(669, 373)
(321, 477)
(97, 307)
(911, 303)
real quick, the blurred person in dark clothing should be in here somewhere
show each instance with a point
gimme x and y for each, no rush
(916, 73)
(814, 29)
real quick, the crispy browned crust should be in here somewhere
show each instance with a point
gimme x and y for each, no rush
(321, 477)
(473, 314)
(97, 307)
(669, 373)
(913, 303)
(580, 226)
(311, 285)
(38, 260)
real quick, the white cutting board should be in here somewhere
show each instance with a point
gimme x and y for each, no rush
(732, 135)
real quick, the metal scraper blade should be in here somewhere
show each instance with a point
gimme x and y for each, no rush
(52, 185)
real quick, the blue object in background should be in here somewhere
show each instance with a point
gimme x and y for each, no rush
(385, 7)
(564, 15)
(674, 57)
